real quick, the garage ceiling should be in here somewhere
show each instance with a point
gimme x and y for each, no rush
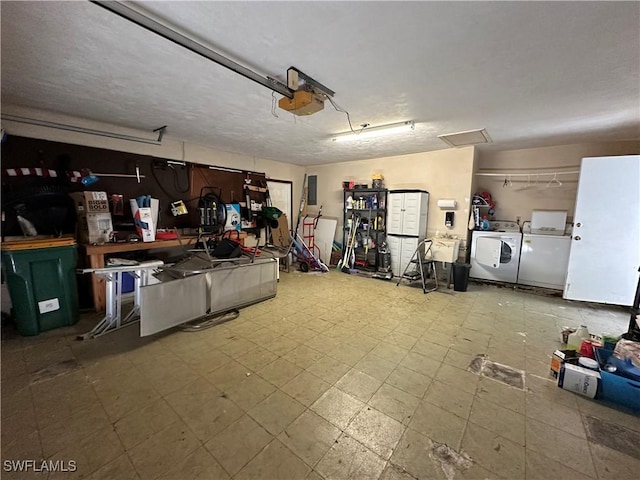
(531, 73)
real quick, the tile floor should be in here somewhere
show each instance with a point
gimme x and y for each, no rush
(338, 377)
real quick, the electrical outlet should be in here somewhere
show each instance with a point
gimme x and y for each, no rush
(518, 220)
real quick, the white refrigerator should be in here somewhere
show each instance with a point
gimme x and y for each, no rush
(406, 225)
(605, 244)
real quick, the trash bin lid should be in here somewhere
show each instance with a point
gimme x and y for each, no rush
(32, 243)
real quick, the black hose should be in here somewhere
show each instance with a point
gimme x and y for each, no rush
(176, 182)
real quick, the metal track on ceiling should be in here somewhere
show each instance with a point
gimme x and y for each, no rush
(145, 21)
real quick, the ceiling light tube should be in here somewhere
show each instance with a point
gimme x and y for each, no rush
(88, 131)
(370, 132)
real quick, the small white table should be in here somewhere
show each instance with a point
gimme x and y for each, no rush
(113, 319)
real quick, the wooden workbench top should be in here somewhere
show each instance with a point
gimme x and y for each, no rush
(33, 243)
(107, 248)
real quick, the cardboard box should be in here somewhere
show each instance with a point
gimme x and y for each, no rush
(234, 221)
(580, 380)
(281, 236)
(146, 219)
(559, 357)
(94, 219)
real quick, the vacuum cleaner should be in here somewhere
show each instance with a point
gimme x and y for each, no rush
(384, 263)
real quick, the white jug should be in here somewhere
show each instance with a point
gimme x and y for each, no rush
(577, 337)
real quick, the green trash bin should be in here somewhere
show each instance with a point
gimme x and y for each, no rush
(42, 283)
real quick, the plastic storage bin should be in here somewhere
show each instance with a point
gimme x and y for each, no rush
(128, 282)
(617, 388)
(42, 283)
(461, 276)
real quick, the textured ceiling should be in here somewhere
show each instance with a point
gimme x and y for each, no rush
(531, 73)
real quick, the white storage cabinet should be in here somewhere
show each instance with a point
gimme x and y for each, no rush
(406, 225)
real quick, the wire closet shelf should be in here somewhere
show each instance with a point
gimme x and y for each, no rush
(531, 179)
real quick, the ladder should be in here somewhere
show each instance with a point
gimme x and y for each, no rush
(421, 268)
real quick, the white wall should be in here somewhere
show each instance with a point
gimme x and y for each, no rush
(170, 148)
(443, 173)
(515, 200)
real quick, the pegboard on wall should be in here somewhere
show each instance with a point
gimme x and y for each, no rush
(163, 179)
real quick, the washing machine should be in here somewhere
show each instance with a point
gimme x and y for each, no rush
(495, 253)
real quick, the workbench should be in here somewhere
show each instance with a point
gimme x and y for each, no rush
(96, 254)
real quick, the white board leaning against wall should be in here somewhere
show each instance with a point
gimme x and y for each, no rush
(280, 192)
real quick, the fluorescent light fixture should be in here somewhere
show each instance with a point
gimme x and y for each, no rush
(88, 131)
(370, 132)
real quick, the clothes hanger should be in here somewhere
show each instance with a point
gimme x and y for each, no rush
(554, 181)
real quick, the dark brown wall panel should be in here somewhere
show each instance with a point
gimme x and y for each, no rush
(161, 181)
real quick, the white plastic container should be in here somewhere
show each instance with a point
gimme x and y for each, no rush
(548, 222)
(589, 363)
(580, 380)
(576, 338)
